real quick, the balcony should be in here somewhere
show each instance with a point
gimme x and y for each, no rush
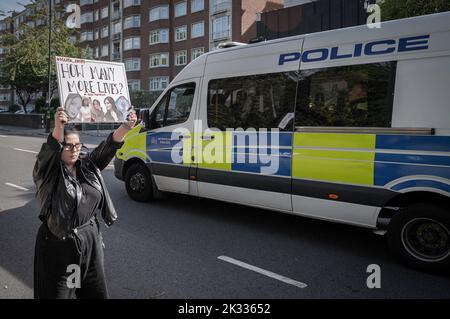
(221, 35)
(116, 36)
(116, 56)
(116, 15)
(221, 7)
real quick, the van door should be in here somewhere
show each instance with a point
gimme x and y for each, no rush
(245, 148)
(247, 104)
(169, 140)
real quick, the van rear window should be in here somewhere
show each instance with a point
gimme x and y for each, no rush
(347, 96)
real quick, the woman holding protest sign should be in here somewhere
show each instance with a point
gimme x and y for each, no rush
(69, 245)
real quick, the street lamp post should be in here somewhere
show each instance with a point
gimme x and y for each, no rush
(49, 50)
(49, 68)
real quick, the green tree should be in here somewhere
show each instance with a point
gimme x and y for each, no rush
(143, 99)
(39, 105)
(25, 66)
(398, 9)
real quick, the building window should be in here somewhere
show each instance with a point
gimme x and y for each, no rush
(132, 43)
(197, 5)
(96, 52)
(352, 96)
(180, 9)
(117, 28)
(86, 36)
(159, 13)
(159, 83)
(84, 2)
(132, 22)
(198, 29)
(133, 64)
(96, 34)
(134, 85)
(221, 27)
(104, 13)
(181, 58)
(159, 36)
(105, 31)
(159, 60)
(181, 33)
(197, 52)
(105, 50)
(129, 3)
(96, 15)
(87, 17)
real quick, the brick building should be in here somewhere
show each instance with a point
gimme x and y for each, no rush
(308, 16)
(5, 92)
(156, 39)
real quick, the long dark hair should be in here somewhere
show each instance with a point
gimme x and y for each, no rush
(69, 130)
(111, 100)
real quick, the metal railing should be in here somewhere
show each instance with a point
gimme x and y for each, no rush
(218, 35)
(222, 6)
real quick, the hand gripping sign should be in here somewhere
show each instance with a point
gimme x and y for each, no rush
(93, 91)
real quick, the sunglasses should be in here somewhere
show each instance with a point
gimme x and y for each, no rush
(70, 147)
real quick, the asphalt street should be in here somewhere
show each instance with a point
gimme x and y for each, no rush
(184, 247)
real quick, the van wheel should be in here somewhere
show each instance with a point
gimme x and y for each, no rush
(138, 183)
(420, 235)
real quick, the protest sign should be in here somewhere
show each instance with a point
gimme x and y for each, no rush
(93, 91)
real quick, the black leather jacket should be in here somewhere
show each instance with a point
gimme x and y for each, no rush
(58, 194)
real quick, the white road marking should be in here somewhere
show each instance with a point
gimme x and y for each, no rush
(17, 186)
(19, 149)
(3, 136)
(263, 272)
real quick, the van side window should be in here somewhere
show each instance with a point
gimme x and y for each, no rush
(353, 96)
(256, 101)
(174, 107)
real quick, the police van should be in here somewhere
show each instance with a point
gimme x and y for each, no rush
(349, 125)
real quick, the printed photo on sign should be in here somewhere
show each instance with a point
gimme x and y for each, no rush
(93, 91)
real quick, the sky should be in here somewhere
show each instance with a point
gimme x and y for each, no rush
(7, 5)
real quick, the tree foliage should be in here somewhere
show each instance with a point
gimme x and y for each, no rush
(25, 66)
(143, 99)
(398, 9)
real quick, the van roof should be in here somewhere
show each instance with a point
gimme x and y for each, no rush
(427, 23)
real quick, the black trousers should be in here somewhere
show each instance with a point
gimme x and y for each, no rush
(70, 268)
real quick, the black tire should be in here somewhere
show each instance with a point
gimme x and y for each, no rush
(420, 235)
(138, 183)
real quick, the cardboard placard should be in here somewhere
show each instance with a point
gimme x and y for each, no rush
(93, 91)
